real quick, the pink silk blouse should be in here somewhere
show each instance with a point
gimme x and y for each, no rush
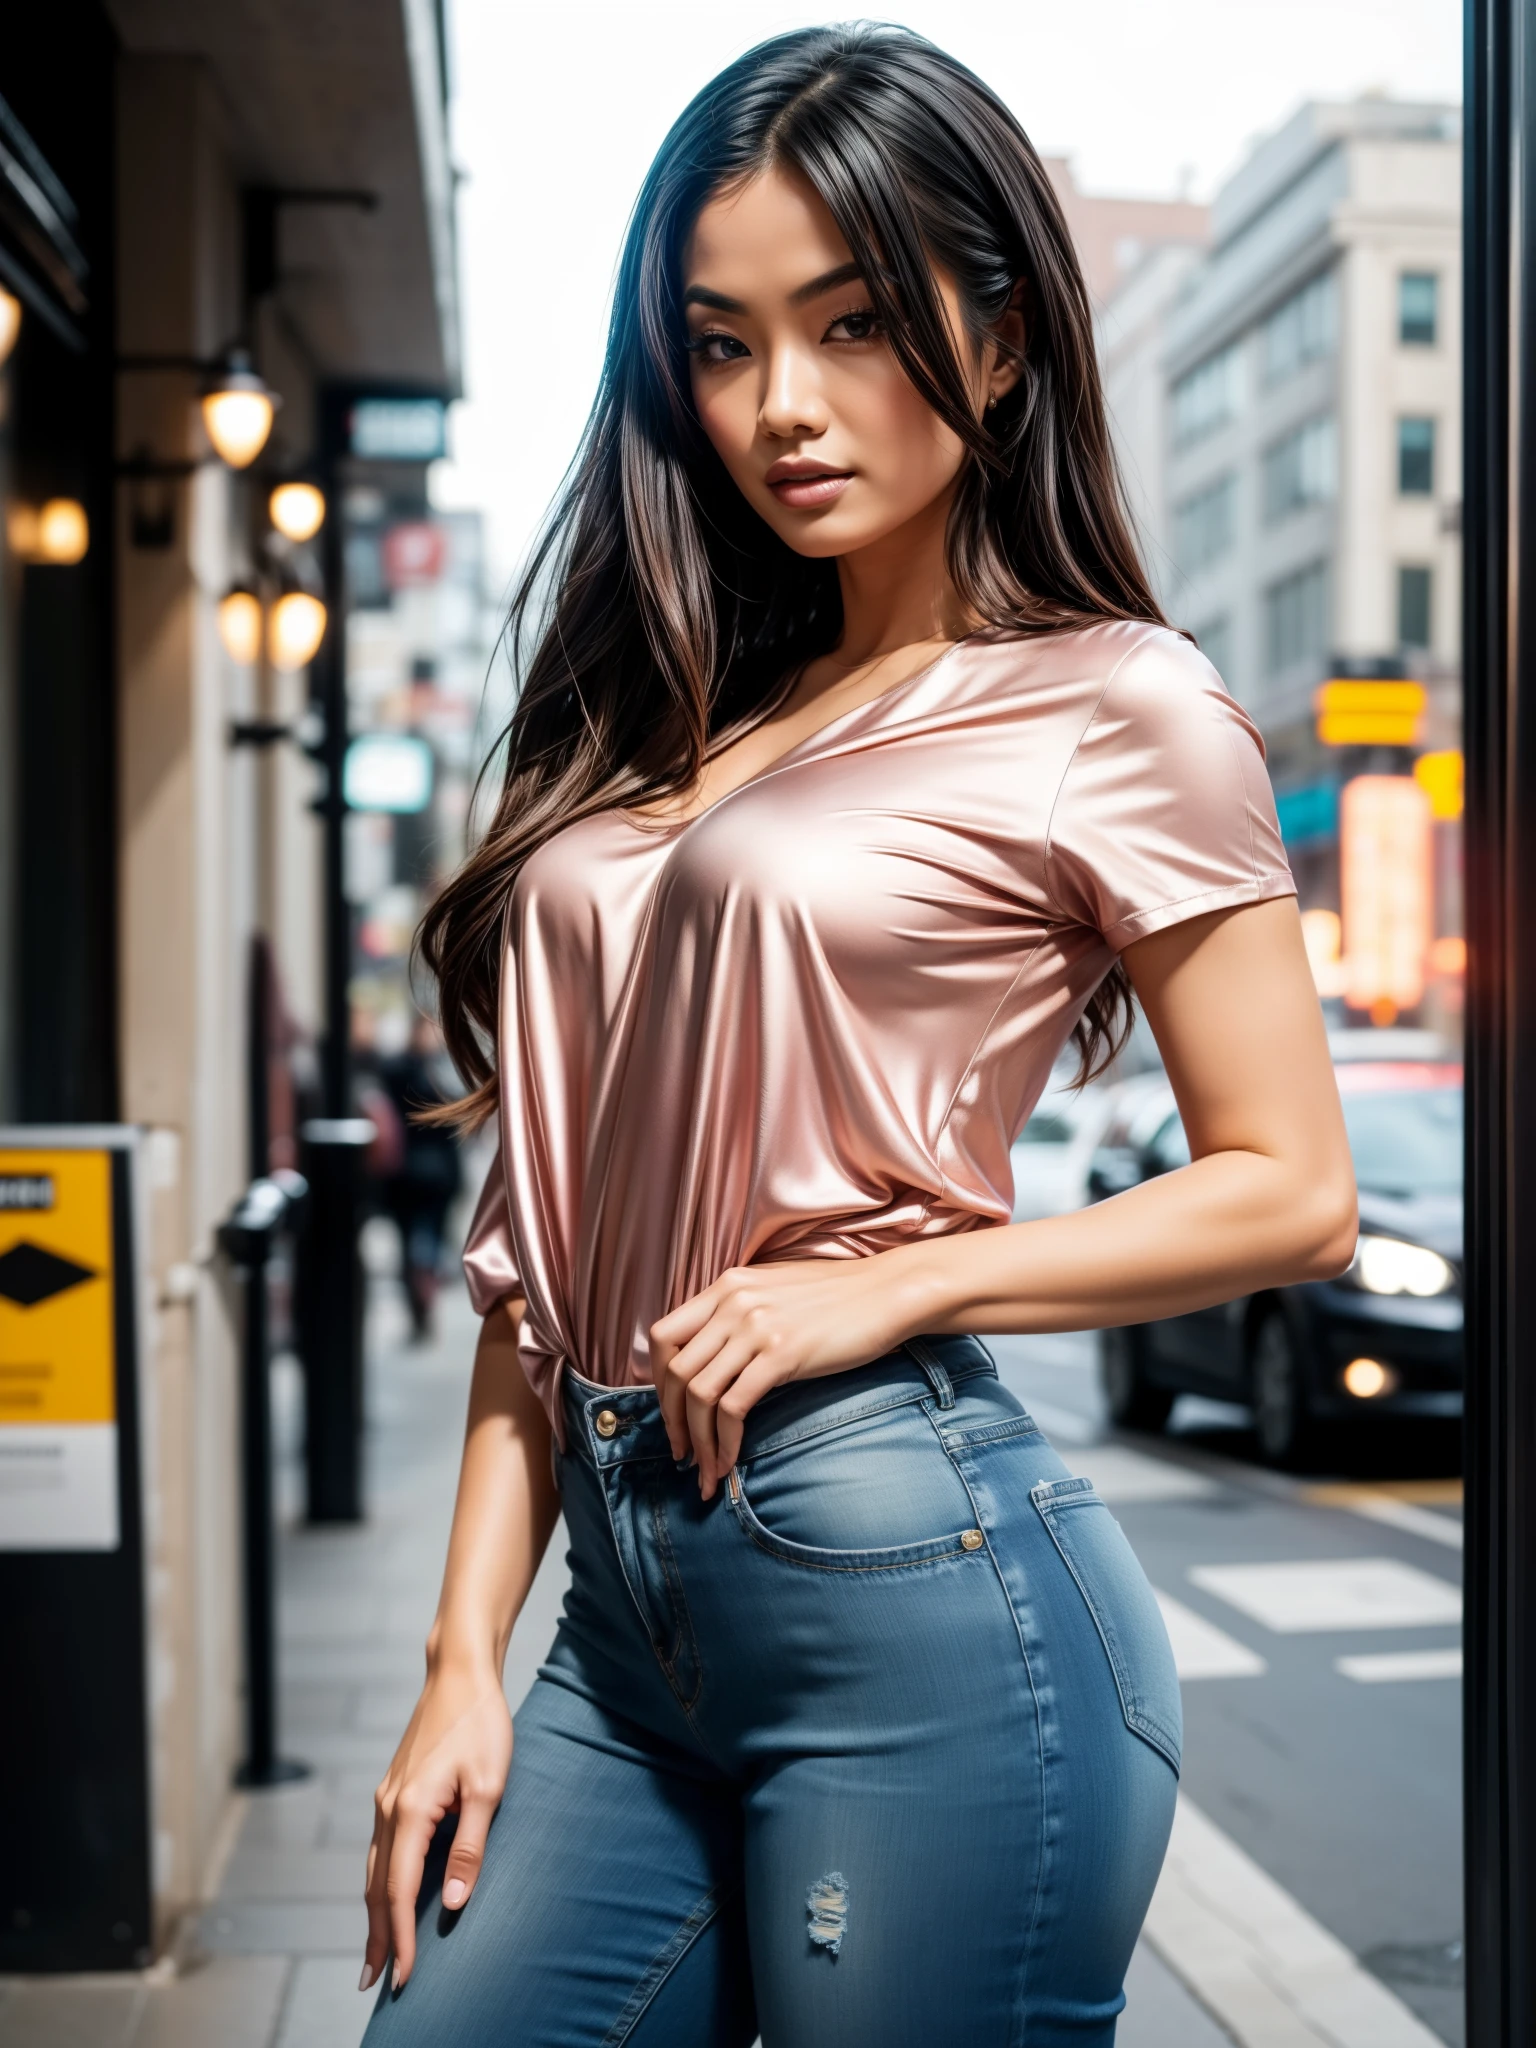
(809, 1022)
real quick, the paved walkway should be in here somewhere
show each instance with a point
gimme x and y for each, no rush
(273, 1962)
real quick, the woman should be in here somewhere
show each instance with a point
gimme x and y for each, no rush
(854, 769)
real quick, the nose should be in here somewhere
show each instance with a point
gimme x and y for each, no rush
(792, 404)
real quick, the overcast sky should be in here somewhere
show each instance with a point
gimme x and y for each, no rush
(558, 109)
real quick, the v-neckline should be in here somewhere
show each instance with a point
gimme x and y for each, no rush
(644, 819)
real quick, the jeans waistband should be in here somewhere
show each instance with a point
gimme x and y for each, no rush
(612, 1425)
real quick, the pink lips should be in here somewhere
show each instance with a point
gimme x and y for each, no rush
(808, 488)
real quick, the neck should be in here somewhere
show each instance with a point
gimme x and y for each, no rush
(897, 592)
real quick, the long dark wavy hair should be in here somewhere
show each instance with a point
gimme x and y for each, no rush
(661, 612)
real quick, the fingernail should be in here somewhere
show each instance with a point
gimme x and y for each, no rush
(455, 1892)
(369, 1977)
(394, 1979)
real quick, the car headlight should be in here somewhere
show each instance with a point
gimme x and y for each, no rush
(1390, 1265)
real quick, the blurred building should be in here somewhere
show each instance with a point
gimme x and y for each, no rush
(1287, 405)
(177, 182)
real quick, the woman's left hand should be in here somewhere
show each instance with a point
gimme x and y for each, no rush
(717, 1355)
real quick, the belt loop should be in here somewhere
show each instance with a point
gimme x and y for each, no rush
(938, 1378)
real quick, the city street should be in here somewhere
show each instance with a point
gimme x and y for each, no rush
(1316, 1632)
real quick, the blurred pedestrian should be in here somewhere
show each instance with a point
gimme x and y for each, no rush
(426, 1174)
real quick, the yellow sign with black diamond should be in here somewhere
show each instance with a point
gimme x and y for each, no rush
(58, 1408)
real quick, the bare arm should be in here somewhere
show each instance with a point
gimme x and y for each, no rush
(1269, 1198)
(455, 1752)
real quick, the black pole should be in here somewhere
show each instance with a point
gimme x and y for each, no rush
(247, 1239)
(331, 692)
(1499, 663)
(329, 1287)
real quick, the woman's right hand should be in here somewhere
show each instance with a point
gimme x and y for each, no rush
(453, 1758)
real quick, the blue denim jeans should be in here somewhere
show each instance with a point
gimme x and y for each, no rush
(877, 1749)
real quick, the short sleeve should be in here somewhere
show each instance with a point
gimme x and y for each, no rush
(489, 1266)
(1165, 811)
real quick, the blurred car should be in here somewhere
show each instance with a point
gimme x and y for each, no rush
(1383, 1339)
(1053, 1152)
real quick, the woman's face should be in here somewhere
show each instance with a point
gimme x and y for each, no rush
(794, 383)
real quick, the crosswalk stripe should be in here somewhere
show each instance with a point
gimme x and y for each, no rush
(1201, 1649)
(1389, 1667)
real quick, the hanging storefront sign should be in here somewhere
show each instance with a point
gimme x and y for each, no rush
(414, 553)
(1386, 886)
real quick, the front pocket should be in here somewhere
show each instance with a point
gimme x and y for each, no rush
(876, 1493)
(1094, 1549)
(965, 1543)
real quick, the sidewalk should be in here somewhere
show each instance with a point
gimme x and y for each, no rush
(273, 1961)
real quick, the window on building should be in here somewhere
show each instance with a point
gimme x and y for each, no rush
(1418, 308)
(1302, 329)
(1215, 638)
(1208, 396)
(1416, 458)
(1204, 525)
(1415, 600)
(1301, 468)
(1296, 620)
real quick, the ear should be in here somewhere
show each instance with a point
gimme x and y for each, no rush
(1006, 344)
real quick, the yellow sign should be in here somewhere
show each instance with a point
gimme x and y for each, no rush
(1370, 714)
(56, 1288)
(1440, 777)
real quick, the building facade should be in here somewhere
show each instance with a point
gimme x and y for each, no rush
(177, 184)
(1287, 405)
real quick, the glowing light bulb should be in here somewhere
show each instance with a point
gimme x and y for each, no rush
(10, 321)
(240, 626)
(237, 411)
(297, 628)
(297, 511)
(63, 532)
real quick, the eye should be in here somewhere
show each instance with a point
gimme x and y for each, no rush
(715, 346)
(860, 323)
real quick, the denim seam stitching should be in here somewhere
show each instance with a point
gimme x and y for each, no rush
(1018, 1629)
(684, 1620)
(990, 1432)
(912, 1395)
(660, 1968)
(770, 1544)
(1146, 1725)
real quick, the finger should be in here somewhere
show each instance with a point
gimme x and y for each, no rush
(408, 1857)
(703, 1392)
(376, 1951)
(672, 1390)
(684, 1321)
(731, 1411)
(468, 1851)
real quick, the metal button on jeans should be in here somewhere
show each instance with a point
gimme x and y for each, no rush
(971, 1540)
(607, 1422)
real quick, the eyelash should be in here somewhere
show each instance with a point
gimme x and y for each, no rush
(698, 344)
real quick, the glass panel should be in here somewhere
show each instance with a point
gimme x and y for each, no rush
(1416, 458)
(1418, 308)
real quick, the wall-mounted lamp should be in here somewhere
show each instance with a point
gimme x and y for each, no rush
(295, 630)
(10, 321)
(240, 624)
(57, 533)
(237, 411)
(297, 510)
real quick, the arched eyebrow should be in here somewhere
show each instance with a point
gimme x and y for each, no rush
(829, 280)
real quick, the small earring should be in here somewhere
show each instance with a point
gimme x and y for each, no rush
(991, 401)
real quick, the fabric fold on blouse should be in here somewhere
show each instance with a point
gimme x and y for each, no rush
(809, 1022)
